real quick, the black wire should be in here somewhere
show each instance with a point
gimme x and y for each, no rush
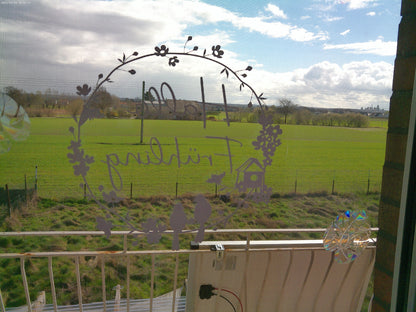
(226, 299)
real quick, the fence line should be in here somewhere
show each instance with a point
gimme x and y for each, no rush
(296, 181)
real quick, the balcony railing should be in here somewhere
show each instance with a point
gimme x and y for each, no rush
(284, 258)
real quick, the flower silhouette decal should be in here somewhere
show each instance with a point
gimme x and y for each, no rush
(217, 52)
(162, 51)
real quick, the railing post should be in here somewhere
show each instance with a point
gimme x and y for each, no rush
(125, 242)
(3, 309)
(128, 283)
(50, 268)
(78, 283)
(103, 282)
(175, 282)
(25, 285)
(152, 283)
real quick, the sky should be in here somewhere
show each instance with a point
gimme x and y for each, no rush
(319, 53)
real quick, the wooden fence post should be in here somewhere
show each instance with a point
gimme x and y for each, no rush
(8, 200)
(36, 180)
(25, 188)
(131, 190)
(296, 182)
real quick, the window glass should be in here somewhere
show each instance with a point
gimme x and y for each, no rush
(192, 115)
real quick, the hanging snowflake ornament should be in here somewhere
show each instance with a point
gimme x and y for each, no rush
(348, 236)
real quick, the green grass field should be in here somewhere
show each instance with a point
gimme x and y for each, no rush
(310, 156)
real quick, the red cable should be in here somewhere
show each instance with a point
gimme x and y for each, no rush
(229, 291)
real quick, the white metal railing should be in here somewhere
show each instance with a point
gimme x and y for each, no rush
(248, 246)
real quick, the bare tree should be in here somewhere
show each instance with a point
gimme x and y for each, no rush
(286, 107)
(102, 100)
(15, 94)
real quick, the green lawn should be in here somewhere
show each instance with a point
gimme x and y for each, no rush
(310, 156)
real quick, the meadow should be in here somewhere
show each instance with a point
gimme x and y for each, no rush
(310, 158)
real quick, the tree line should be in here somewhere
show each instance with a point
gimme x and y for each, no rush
(52, 103)
(289, 113)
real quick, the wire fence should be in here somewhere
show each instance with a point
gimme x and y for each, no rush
(300, 181)
(12, 195)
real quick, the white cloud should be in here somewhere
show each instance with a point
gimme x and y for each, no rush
(83, 32)
(327, 84)
(344, 33)
(60, 46)
(305, 17)
(276, 11)
(332, 18)
(371, 14)
(360, 4)
(278, 29)
(376, 47)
